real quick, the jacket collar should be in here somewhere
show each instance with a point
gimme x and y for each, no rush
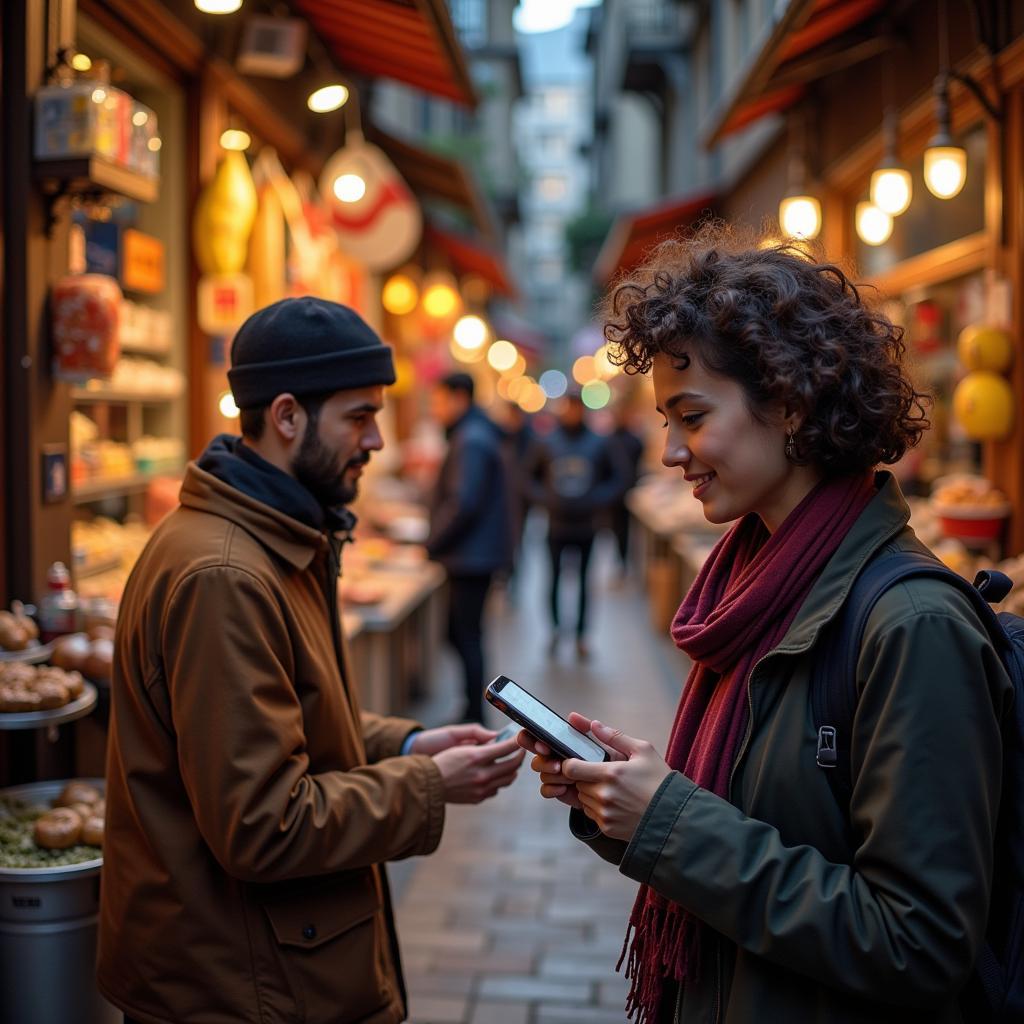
(295, 542)
(885, 517)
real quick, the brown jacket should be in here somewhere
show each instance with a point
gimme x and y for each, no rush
(250, 803)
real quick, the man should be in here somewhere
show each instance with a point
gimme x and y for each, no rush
(574, 475)
(250, 804)
(627, 448)
(471, 531)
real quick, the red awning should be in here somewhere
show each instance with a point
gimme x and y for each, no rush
(433, 176)
(811, 39)
(411, 41)
(633, 235)
(472, 256)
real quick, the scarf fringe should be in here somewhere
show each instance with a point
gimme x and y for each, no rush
(664, 945)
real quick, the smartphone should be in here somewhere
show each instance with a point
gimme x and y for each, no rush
(509, 732)
(540, 721)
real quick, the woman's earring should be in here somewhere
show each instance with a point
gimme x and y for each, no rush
(790, 448)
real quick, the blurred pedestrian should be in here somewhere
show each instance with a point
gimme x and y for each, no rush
(251, 807)
(519, 440)
(471, 532)
(627, 448)
(573, 474)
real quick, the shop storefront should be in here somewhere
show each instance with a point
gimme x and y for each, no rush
(859, 90)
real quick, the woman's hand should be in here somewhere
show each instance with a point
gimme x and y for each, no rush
(554, 785)
(614, 795)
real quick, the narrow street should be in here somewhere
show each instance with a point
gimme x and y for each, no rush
(513, 921)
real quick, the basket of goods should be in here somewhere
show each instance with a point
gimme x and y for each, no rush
(47, 825)
(970, 509)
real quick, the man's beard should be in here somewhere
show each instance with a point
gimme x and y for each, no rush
(322, 472)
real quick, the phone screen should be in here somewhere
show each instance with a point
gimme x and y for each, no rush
(533, 711)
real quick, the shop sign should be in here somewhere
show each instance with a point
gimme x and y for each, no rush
(142, 262)
(224, 301)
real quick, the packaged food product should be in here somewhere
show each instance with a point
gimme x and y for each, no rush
(85, 311)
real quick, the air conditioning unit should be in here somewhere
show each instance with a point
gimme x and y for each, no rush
(272, 47)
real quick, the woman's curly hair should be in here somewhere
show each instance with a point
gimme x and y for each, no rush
(791, 329)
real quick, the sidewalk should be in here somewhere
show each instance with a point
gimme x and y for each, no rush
(512, 921)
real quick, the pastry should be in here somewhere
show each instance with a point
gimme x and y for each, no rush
(92, 831)
(76, 792)
(19, 698)
(71, 651)
(51, 693)
(12, 636)
(58, 829)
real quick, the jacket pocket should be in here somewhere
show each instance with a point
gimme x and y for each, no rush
(331, 941)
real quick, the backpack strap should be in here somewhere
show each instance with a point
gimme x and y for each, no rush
(833, 694)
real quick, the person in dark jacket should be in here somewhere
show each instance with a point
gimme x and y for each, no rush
(762, 896)
(572, 474)
(471, 532)
(627, 448)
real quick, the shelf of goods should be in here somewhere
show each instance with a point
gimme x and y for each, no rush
(94, 396)
(77, 175)
(95, 490)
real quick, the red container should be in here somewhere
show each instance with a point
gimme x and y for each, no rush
(968, 523)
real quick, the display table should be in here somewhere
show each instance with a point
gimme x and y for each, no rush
(394, 643)
(672, 540)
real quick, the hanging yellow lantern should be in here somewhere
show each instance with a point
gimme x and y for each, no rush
(983, 406)
(400, 294)
(985, 348)
(440, 297)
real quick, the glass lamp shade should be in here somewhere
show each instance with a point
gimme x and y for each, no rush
(945, 170)
(874, 226)
(327, 98)
(891, 190)
(800, 216)
(218, 6)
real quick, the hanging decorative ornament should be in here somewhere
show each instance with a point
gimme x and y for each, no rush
(984, 406)
(224, 216)
(981, 347)
(374, 213)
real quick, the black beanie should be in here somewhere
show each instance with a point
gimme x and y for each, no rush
(305, 346)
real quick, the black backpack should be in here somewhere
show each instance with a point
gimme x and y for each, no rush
(996, 992)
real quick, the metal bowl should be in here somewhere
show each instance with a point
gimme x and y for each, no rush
(41, 793)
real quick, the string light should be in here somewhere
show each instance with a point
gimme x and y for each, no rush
(235, 139)
(502, 355)
(874, 226)
(327, 98)
(218, 6)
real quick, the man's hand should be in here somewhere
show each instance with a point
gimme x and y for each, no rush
(614, 795)
(433, 741)
(553, 784)
(472, 774)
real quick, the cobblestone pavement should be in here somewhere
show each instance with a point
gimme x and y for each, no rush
(512, 921)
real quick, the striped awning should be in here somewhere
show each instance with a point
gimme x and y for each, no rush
(472, 256)
(808, 39)
(410, 41)
(634, 234)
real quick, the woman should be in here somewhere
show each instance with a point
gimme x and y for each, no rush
(761, 898)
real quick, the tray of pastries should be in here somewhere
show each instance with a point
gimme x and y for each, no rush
(52, 827)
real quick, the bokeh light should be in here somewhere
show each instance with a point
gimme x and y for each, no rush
(553, 383)
(400, 294)
(226, 404)
(596, 394)
(471, 332)
(584, 369)
(502, 355)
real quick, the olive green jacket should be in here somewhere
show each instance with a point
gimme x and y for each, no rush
(819, 915)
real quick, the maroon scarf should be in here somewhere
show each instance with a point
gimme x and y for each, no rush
(738, 609)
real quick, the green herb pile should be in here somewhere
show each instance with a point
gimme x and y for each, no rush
(17, 847)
